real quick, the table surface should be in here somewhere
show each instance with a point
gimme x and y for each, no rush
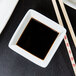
(12, 64)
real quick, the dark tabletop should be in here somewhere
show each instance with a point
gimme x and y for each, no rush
(12, 64)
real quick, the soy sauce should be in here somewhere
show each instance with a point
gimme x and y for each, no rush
(37, 38)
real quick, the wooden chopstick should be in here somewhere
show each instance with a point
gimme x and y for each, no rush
(65, 37)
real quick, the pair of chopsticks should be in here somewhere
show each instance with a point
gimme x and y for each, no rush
(69, 50)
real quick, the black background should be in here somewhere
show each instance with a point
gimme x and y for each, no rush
(12, 64)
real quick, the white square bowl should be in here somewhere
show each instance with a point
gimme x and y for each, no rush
(70, 3)
(6, 9)
(22, 26)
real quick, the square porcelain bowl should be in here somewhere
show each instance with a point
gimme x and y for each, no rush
(71, 3)
(48, 23)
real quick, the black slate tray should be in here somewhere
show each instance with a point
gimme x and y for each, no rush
(12, 64)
